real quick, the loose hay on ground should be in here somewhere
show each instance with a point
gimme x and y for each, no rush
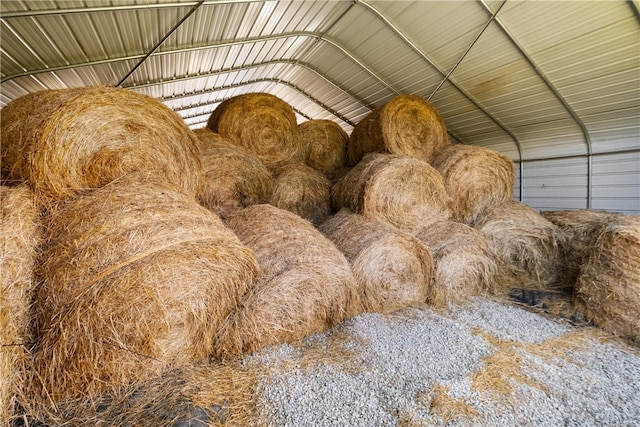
(302, 190)
(20, 234)
(307, 285)
(476, 179)
(63, 142)
(400, 190)
(233, 178)
(392, 268)
(324, 144)
(136, 277)
(407, 125)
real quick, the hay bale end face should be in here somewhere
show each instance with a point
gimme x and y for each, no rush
(136, 277)
(400, 190)
(20, 235)
(406, 125)
(476, 179)
(302, 190)
(63, 142)
(393, 269)
(324, 144)
(306, 286)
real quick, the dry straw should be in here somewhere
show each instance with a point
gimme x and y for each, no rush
(393, 269)
(609, 279)
(400, 190)
(262, 123)
(464, 262)
(529, 245)
(136, 277)
(307, 284)
(302, 190)
(233, 178)
(407, 125)
(324, 144)
(65, 141)
(20, 234)
(476, 179)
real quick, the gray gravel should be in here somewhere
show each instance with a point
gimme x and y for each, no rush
(384, 370)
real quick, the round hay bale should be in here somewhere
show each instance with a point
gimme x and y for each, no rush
(20, 234)
(262, 123)
(63, 142)
(233, 178)
(528, 244)
(609, 281)
(400, 190)
(307, 284)
(393, 269)
(302, 190)
(407, 125)
(476, 178)
(465, 265)
(135, 277)
(324, 144)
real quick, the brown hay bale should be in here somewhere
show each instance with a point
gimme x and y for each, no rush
(406, 125)
(476, 179)
(400, 190)
(262, 123)
(302, 190)
(529, 245)
(66, 141)
(324, 144)
(393, 269)
(465, 265)
(307, 284)
(609, 281)
(136, 277)
(20, 235)
(233, 178)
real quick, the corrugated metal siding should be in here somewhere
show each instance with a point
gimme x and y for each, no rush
(616, 182)
(556, 184)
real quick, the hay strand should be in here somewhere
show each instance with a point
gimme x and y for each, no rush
(324, 144)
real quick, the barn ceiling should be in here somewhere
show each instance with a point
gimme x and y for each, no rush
(532, 79)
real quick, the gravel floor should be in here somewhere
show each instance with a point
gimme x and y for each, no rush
(488, 364)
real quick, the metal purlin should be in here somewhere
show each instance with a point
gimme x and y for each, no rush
(552, 88)
(417, 50)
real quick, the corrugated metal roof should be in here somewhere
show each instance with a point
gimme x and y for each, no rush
(528, 78)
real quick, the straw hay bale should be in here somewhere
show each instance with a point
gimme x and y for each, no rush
(609, 281)
(393, 269)
(262, 123)
(136, 277)
(400, 190)
(71, 140)
(302, 190)
(20, 235)
(324, 144)
(476, 179)
(307, 284)
(464, 262)
(528, 244)
(407, 125)
(233, 178)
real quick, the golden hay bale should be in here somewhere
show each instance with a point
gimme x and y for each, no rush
(233, 178)
(400, 190)
(307, 284)
(20, 235)
(66, 141)
(464, 262)
(262, 123)
(609, 281)
(476, 179)
(393, 269)
(324, 144)
(135, 277)
(528, 244)
(302, 190)
(407, 125)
